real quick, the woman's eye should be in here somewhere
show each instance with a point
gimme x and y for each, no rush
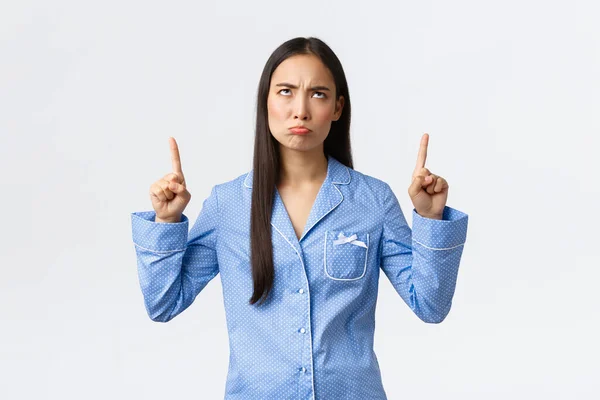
(319, 93)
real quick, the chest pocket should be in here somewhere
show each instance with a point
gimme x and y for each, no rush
(345, 257)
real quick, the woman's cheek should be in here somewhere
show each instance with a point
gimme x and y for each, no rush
(276, 110)
(324, 115)
(277, 116)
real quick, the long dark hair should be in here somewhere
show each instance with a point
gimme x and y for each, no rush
(266, 164)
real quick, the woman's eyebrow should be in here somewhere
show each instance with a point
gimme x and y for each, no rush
(296, 87)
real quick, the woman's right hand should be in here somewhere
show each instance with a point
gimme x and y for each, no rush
(169, 194)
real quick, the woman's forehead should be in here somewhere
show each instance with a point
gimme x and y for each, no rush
(302, 69)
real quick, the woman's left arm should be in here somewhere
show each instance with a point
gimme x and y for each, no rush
(422, 263)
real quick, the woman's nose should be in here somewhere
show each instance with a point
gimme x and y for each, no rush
(301, 109)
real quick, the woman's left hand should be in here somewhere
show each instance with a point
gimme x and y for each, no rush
(428, 192)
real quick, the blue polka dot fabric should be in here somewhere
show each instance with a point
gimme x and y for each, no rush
(313, 337)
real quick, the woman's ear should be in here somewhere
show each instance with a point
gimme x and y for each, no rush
(339, 106)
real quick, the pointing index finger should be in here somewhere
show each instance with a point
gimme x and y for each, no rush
(175, 160)
(422, 157)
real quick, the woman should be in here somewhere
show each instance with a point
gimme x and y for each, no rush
(299, 242)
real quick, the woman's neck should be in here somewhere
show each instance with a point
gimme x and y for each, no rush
(301, 168)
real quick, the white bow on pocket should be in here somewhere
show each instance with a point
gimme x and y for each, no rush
(350, 239)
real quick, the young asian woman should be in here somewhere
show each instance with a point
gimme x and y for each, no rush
(300, 241)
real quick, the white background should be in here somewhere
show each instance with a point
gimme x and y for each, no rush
(90, 92)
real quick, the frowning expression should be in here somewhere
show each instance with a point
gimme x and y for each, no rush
(302, 93)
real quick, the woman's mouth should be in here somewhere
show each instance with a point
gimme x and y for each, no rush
(300, 131)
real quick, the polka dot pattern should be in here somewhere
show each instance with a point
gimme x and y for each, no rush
(313, 337)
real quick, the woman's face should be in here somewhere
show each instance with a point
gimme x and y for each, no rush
(302, 93)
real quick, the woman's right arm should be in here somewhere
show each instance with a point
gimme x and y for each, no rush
(173, 269)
